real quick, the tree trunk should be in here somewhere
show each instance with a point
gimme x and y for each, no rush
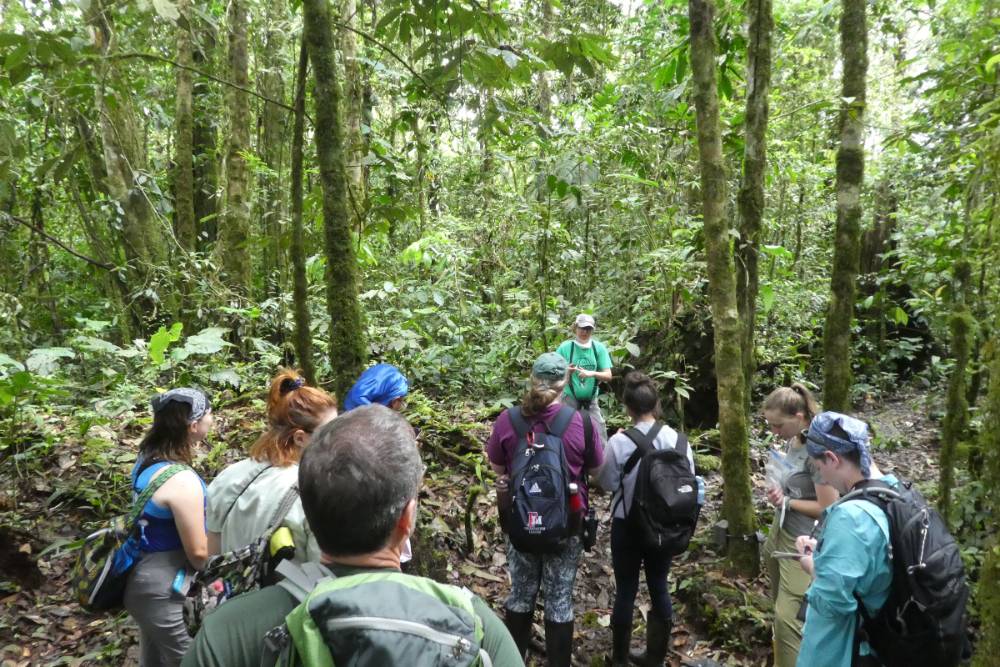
(124, 162)
(347, 340)
(354, 98)
(300, 284)
(273, 120)
(737, 503)
(206, 162)
(185, 226)
(233, 249)
(751, 195)
(956, 418)
(988, 593)
(850, 173)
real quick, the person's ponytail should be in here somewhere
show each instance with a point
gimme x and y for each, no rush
(291, 406)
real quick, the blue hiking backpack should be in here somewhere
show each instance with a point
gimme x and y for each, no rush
(538, 520)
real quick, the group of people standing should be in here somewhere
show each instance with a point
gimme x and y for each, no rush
(365, 522)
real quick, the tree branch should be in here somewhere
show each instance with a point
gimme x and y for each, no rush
(224, 82)
(52, 239)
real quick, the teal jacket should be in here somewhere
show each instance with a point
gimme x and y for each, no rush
(852, 557)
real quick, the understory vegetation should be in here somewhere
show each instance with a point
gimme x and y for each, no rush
(192, 194)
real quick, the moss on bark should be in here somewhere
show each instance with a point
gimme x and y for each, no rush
(737, 503)
(300, 283)
(847, 239)
(956, 419)
(988, 593)
(347, 339)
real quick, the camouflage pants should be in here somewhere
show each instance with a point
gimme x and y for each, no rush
(554, 573)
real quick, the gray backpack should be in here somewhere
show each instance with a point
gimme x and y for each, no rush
(374, 619)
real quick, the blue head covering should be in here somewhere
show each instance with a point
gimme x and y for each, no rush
(382, 383)
(837, 433)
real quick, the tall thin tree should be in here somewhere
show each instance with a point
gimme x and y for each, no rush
(847, 239)
(184, 221)
(347, 339)
(737, 502)
(234, 234)
(354, 93)
(751, 194)
(300, 283)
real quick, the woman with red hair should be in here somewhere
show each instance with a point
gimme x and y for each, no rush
(245, 496)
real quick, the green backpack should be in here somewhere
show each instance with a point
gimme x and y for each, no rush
(374, 619)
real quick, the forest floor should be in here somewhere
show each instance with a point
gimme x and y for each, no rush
(718, 616)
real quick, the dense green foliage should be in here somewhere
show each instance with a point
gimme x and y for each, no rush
(519, 163)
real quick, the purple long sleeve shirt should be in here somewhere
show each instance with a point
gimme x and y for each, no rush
(503, 441)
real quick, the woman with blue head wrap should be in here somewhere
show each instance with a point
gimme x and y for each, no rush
(850, 560)
(382, 383)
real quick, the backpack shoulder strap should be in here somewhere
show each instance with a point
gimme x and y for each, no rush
(643, 445)
(299, 579)
(588, 438)
(561, 422)
(517, 420)
(281, 511)
(242, 491)
(151, 488)
(681, 446)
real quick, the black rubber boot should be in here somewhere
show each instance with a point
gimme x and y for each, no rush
(519, 625)
(621, 637)
(558, 644)
(657, 640)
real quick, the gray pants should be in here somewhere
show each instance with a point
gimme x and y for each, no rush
(594, 410)
(157, 610)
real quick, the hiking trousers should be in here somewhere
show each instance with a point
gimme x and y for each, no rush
(594, 410)
(628, 559)
(157, 610)
(553, 573)
(788, 587)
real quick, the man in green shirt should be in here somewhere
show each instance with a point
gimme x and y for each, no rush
(589, 363)
(358, 479)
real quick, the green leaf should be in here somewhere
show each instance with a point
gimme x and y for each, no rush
(633, 349)
(16, 57)
(778, 251)
(161, 340)
(767, 297)
(7, 362)
(92, 344)
(899, 316)
(166, 9)
(207, 341)
(227, 376)
(45, 360)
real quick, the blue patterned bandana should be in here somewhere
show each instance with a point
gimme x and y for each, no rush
(193, 397)
(837, 433)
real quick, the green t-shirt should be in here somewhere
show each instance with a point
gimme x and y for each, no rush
(593, 358)
(233, 635)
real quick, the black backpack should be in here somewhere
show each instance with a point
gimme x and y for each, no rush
(665, 506)
(539, 517)
(922, 623)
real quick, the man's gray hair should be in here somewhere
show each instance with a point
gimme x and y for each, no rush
(356, 476)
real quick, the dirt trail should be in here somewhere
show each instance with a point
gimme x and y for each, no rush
(39, 625)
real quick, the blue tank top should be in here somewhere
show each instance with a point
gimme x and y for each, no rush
(158, 532)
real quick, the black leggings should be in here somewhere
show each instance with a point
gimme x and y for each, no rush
(627, 558)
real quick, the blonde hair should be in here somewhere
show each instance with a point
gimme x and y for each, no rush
(291, 406)
(793, 400)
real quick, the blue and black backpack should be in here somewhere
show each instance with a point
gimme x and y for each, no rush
(538, 520)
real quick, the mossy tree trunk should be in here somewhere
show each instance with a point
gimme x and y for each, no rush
(737, 503)
(125, 161)
(184, 221)
(347, 339)
(206, 161)
(988, 594)
(956, 418)
(234, 233)
(273, 129)
(751, 195)
(354, 94)
(847, 240)
(300, 284)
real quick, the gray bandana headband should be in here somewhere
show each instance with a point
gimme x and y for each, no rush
(838, 433)
(193, 397)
